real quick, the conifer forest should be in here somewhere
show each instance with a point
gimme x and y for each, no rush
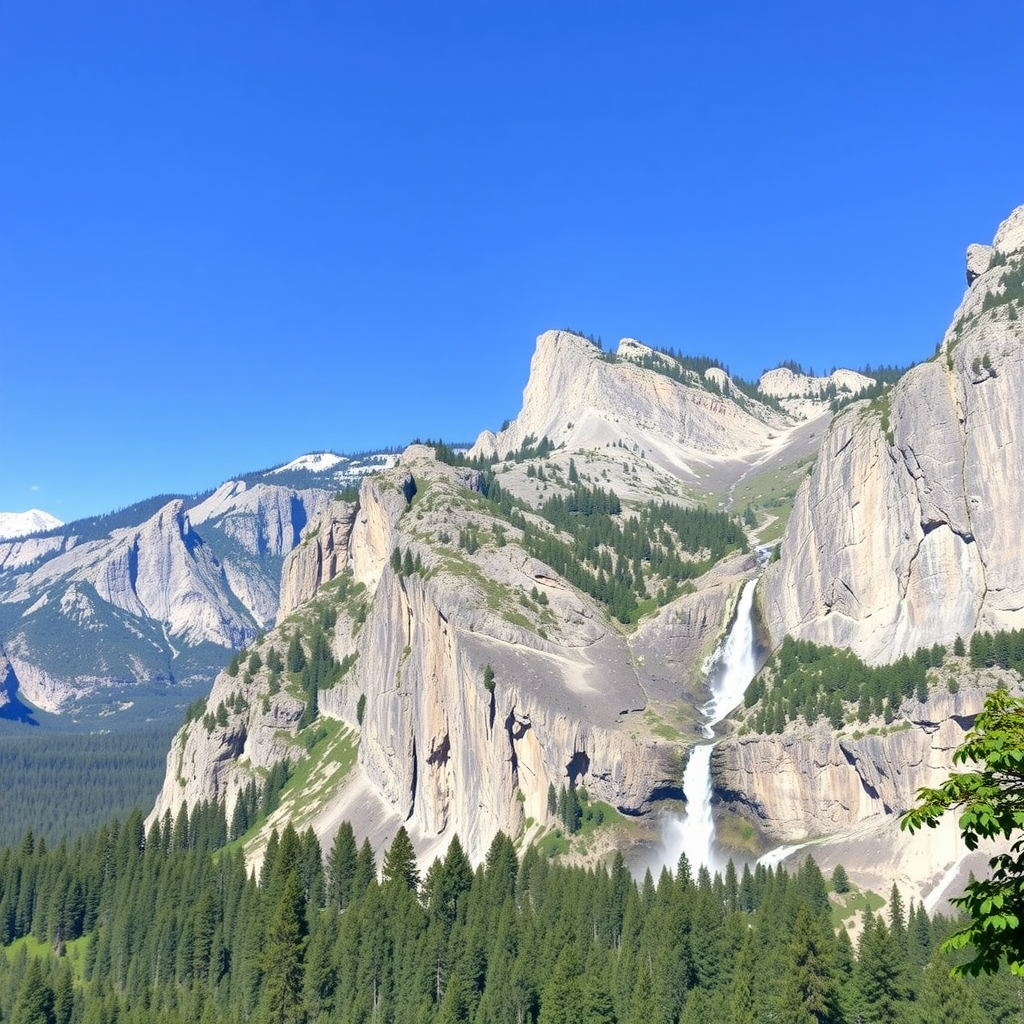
(125, 925)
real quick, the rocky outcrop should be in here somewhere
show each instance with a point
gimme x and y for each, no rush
(577, 397)
(18, 554)
(810, 782)
(782, 382)
(844, 793)
(979, 257)
(905, 533)
(323, 553)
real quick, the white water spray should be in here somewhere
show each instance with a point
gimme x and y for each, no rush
(731, 670)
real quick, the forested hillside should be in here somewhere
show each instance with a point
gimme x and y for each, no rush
(169, 927)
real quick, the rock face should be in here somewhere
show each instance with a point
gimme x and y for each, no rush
(577, 397)
(783, 382)
(906, 532)
(847, 791)
(445, 753)
(322, 554)
(812, 782)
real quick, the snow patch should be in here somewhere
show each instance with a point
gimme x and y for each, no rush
(315, 462)
(17, 524)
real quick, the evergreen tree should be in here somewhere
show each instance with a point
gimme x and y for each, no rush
(399, 867)
(35, 1002)
(283, 956)
(366, 870)
(295, 659)
(562, 996)
(341, 867)
(810, 992)
(880, 983)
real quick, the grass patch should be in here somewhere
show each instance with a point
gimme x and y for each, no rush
(32, 946)
(660, 727)
(554, 844)
(774, 530)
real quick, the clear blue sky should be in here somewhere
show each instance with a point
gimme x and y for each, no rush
(234, 232)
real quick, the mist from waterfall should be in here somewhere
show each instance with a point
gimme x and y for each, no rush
(730, 671)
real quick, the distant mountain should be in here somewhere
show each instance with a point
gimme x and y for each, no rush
(97, 612)
(18, 524)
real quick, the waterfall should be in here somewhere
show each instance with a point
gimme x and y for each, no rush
(731, 669)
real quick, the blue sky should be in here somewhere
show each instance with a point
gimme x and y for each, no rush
(231, 233)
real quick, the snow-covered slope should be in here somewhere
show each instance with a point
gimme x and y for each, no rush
(17, 524)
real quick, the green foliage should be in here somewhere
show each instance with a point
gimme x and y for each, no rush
(399, 866)
(361, 708)
(808, 681)
(840, 880)
(990, 801)
(1004, 649)
(612, 557)
(489, 678)
(296, 656)
(168, 928)
(1011, 290)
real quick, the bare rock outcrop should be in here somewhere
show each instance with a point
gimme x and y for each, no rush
(810, 782)
(576, 396)
(782, 382)
(322, 554)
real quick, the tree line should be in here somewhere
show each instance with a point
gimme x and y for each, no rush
(806, 680)
(168, 926)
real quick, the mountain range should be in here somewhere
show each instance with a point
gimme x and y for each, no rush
(476, 638)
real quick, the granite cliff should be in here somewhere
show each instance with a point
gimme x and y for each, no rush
(906, 531)
(444, 747)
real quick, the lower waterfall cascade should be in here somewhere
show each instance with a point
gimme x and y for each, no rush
(732, 667)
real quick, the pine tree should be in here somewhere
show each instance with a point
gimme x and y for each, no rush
(399, 867)
(35, 1002)
(295, 659)
(283, 955)
(810, 989)
(341, 867)
(879, 978)
(366, 870)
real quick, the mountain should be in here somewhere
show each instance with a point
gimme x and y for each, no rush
(519, 636)
(503, 628)
(17, 524)
(104, 612)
